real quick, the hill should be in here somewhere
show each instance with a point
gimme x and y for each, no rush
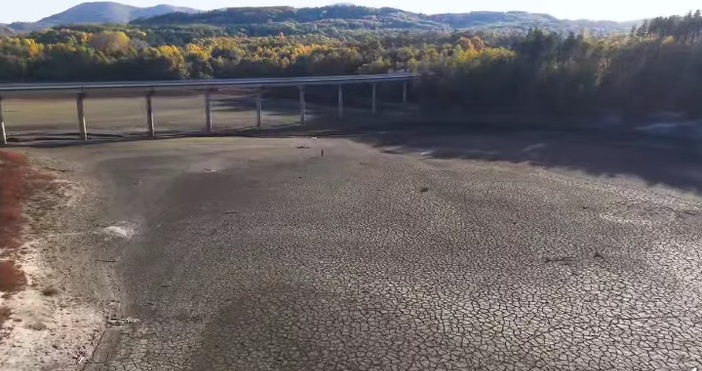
(99, 13)
(524, 21)
(269, 20)
(329, 20)
(6, 31)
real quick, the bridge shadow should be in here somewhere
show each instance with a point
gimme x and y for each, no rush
(279, 116)
(602, 153)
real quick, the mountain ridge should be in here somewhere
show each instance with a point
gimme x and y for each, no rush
(286, 19)
(101, 12)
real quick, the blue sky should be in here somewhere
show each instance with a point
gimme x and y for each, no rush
(33, 10)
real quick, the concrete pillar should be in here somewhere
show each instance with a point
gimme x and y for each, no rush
(209, 124)
(303, 115)
(82, 124)
(150, 116)
(341, 102)
(404, 92)
(3, 133)
(259, 104)
(374, 102)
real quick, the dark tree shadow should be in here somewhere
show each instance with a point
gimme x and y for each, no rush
(675, 162)
(653, 161)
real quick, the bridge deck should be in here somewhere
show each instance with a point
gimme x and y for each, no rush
(145, 87)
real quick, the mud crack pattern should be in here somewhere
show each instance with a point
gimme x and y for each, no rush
(282, 260)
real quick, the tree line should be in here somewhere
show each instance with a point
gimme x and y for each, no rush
(657, 67)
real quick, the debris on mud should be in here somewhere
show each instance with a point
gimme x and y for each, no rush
(121, 321)
(122, 230)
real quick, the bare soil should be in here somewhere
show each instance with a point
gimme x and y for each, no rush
(42, 325)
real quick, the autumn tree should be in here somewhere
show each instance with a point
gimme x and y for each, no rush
(110, 42)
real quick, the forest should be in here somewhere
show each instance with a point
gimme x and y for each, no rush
(339, 19)
(656, 67)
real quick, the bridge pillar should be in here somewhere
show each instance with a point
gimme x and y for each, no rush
(209, 124)
(82, 124)
(259, 104)
(341, 102)
(374, 104)
(3, 133)
(150, 116)
(404, 92)
(303, 115)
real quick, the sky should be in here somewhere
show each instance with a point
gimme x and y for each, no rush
(618, 10)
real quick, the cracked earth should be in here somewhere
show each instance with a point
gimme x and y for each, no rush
(259, 254)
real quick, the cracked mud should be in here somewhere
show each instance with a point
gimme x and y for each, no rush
(363, 260)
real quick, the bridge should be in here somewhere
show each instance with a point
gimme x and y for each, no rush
(206, 88)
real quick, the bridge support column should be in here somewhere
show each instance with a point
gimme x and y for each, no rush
(82, 124)
(374, 104)
(150, 116)
(341, 102)
(259, 104)
(404, 92)
(209, 123)
(3, 133)
(303, 116)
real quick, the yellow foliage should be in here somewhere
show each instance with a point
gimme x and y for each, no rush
(198, 51)
(33, 49)
(472, 58)
(110, 42)
(668, 41)
(302, 50)
(168, 51)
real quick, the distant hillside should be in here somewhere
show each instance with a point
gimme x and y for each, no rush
(330, 20)
(349, 17)
(6, 31)
(524, 21)
(99, 13)
(287, 19)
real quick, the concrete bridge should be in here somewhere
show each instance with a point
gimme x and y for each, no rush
(206, 88)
